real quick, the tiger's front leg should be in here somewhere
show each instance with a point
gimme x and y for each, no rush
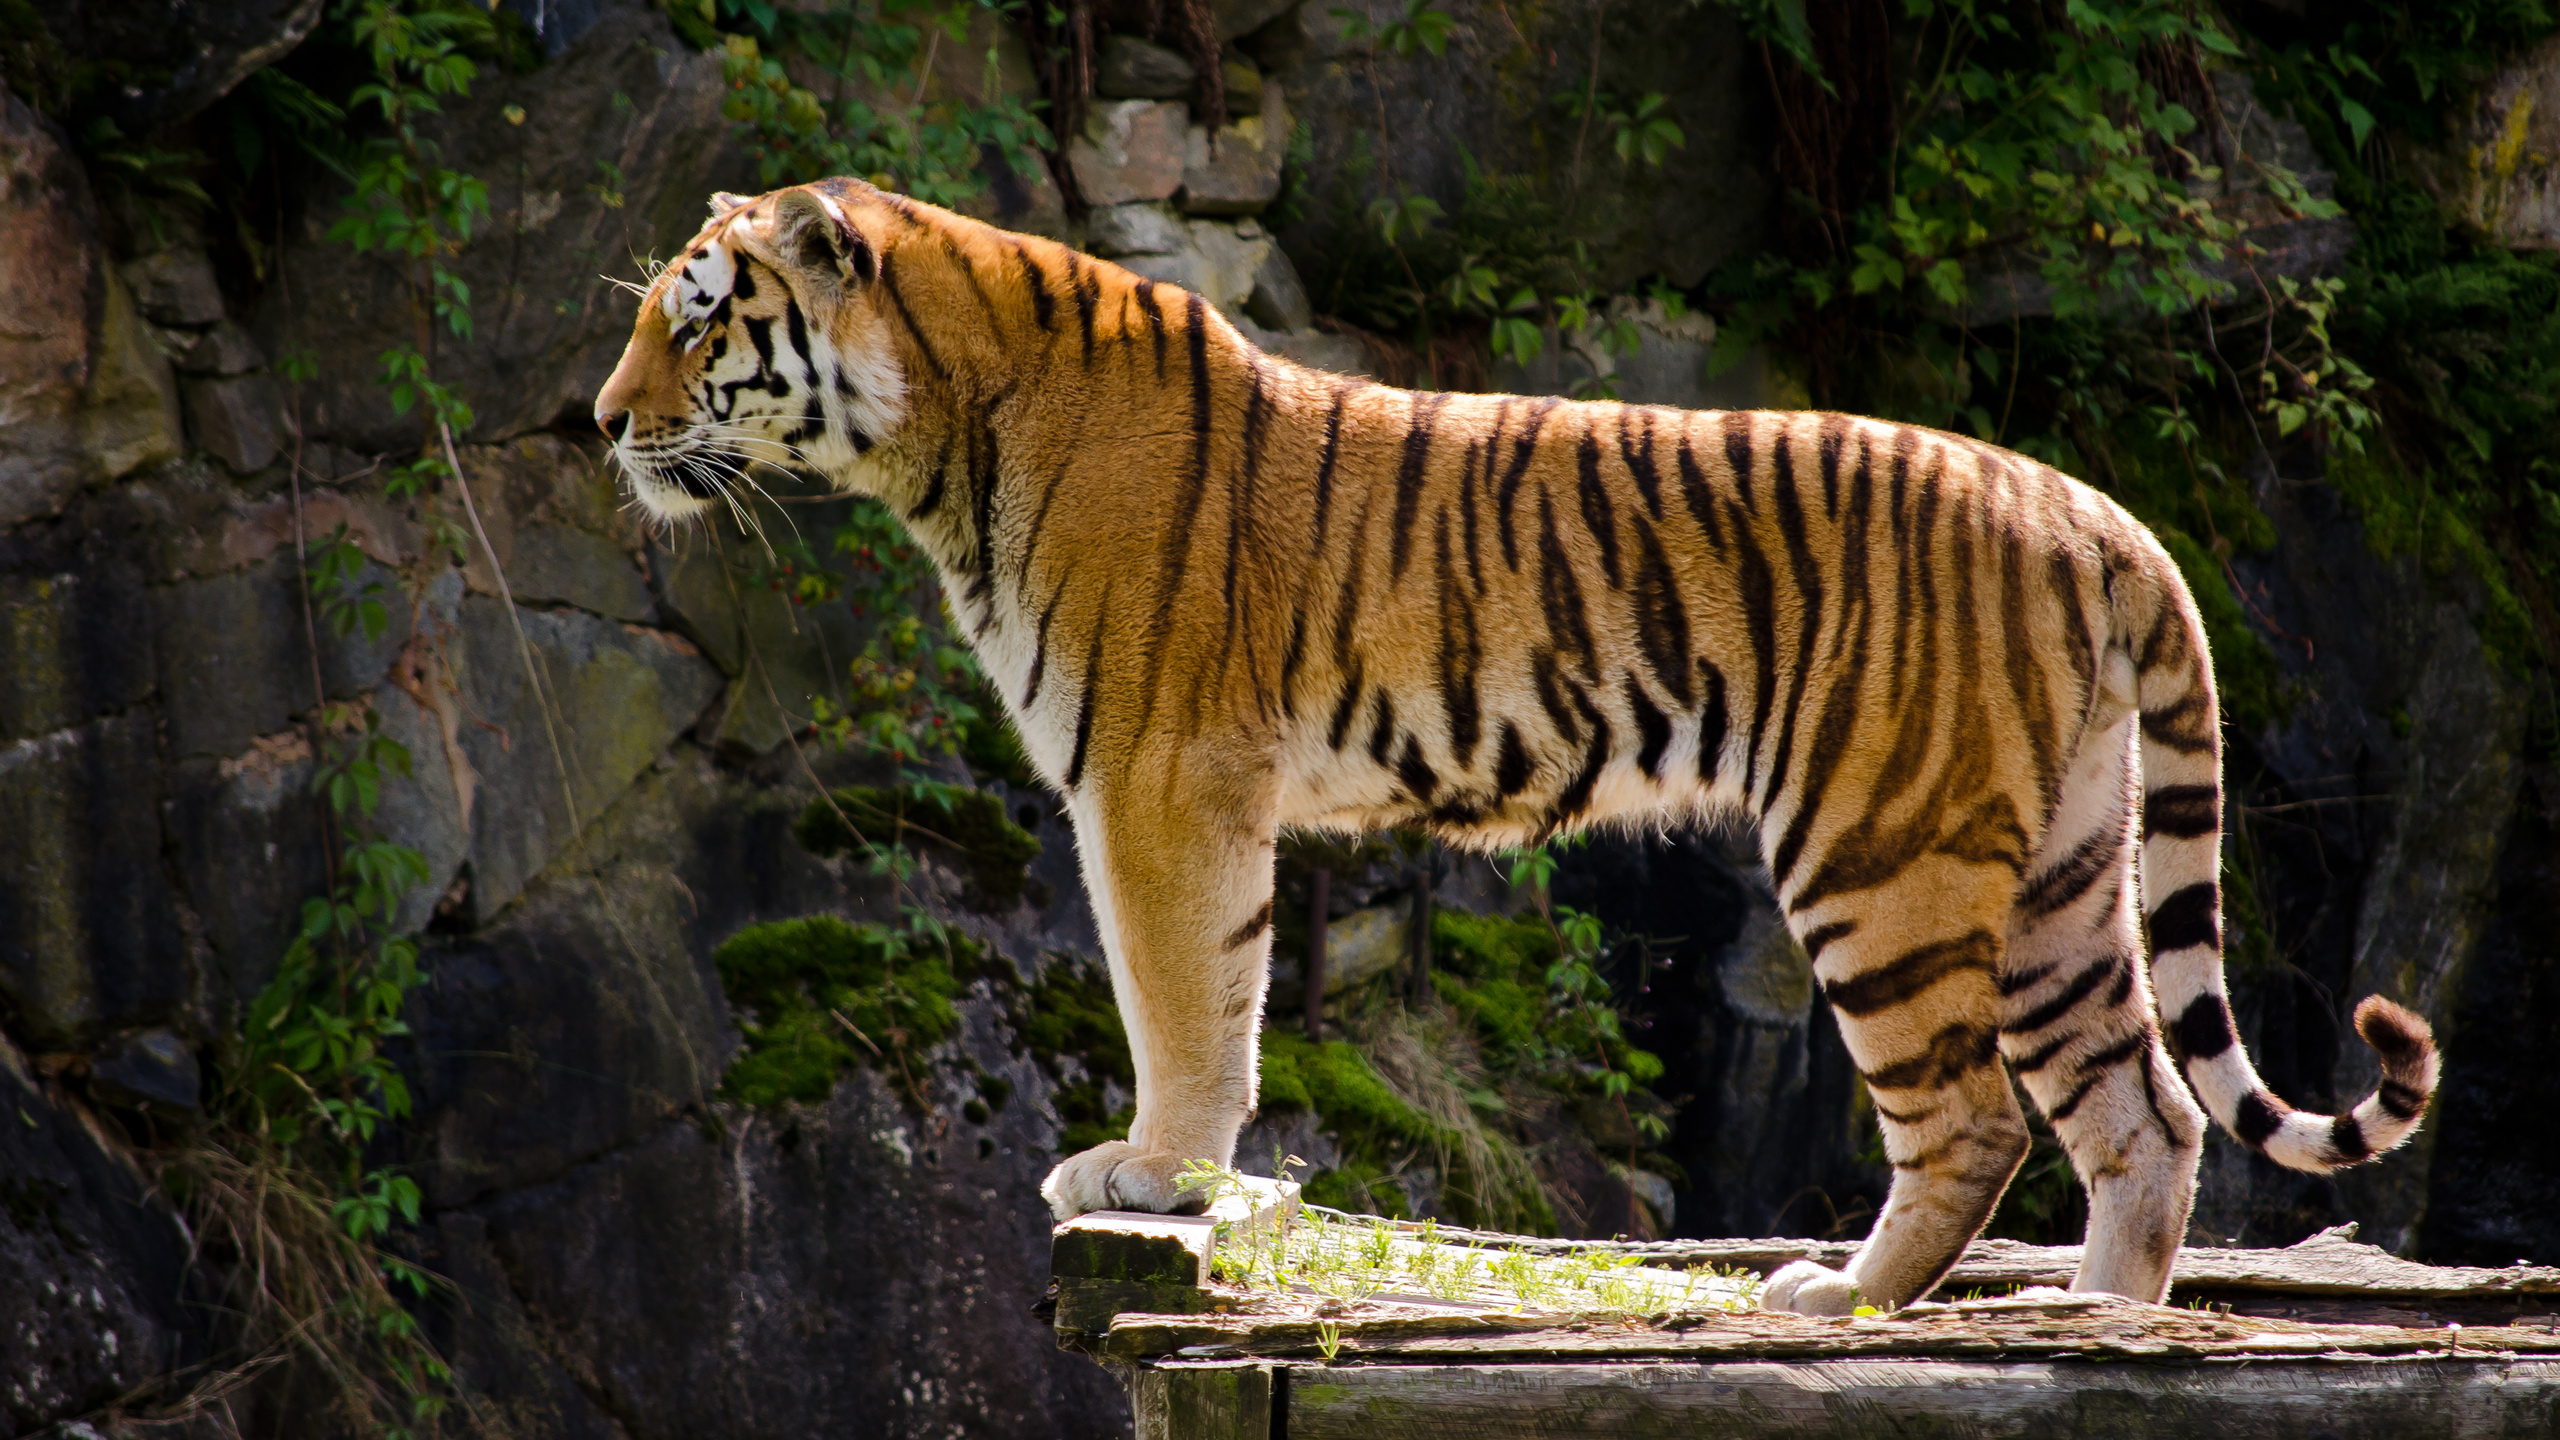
(1177, 855)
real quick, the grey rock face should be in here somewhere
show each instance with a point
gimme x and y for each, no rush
(235, 417)
(1279, 299)
(174, 286)
(1135, 229)
(1131, 150)
(87, 395)
(621, 144)
(1494, 89)
(181, 58)
(88, 935)
(92, 1276)
(1240, 173)
(1128, 68)
(153, 1067)
(778, 655)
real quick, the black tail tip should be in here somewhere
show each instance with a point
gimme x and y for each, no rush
(2403, 1038)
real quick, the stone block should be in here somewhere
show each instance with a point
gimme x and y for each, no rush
(1278, 299)
(772, 649)
(175, 287)
(1243, 87)
(245, 836)
(234, 653)
(621, 139)
(149, 1068)
(1240, 174)
(129, 412)
(1139, 229)
(558, 565)
(73, 646)
(226, 349)
(93, 1276)
(50, 286)
(1020, 194)
(1238, 18)
(1130, 150)
(617, 695)
(89, 939)
(235, 417)
(171, 61)
(1128, 68)
(1358, 948)
(1217, 263)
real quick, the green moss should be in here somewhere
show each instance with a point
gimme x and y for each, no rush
(819, 995)
(2404, 514)
(967, 826)
(1071, 1015)
(1334, 1080)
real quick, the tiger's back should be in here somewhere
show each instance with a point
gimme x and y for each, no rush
(1963, 700)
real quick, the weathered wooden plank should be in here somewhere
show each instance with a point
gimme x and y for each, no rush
(1144, 1249)
(2087, 1327)
(1875, 1399)
(1218, 1401)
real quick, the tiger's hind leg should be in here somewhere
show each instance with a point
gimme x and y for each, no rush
(1909, 968)
(2077, 1025)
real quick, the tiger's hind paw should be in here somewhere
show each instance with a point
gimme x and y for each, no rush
(1117, 1175)
(1804, 1288)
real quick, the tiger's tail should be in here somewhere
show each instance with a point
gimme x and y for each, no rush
(2182, 909)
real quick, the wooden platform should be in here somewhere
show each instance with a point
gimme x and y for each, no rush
(1260, 1321)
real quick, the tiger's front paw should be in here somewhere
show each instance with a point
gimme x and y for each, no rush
(1117, 1175)
(1805, 1288)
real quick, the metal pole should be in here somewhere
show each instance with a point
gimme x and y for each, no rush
(1420, 982)
(1320, 889)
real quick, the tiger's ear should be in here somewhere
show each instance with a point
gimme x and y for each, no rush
(722, 202)
(814, 236)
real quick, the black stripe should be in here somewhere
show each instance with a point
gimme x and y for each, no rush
(2098, 973)
(1040, 651)
(1461, 653)
(1905, 977)
(940, 484)
(1577, 795)
(1737, 457)
(1599, 516)
(2203, 1029)
(2401, 1100)
(1417, 776)
(742, 283)
(906, 317)
(1512, 767)
(2068, 881)
(1560, 595)
(1154, 309)
(2186, 811)
(1173, 563)
(1701, 500)
(1821, 936)
(2346, 1140)
(1409, 477)
(1550, 688)
(2193, 916)
(1522, 448)
(1712, 722)
(796, 330)
(1087, 290)
(984, 473)
(1325, 464)
(1807, 577)
(1662, 621)
(2093, 1072)
(1250, 930)
(2036, 1059)
(1829, 441)
(1092, 688)
(1953, 1053)
(1289, 661)
(1653, 728)
(1760, 617)
(2259, 1117)
(1382, 726)
(1343, 708)
(2184, 727)
(1639, 461)
(1044, 306)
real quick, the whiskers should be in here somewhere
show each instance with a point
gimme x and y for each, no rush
(715, 461)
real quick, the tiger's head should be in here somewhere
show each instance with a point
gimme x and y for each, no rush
(764, 342)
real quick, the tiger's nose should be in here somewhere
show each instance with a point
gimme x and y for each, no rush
(610, 421)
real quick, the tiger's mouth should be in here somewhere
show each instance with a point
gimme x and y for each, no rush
(685, 473)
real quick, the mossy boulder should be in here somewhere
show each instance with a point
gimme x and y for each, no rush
(819, 995)
(967, 827)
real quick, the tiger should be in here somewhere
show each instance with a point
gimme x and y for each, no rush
(1963, 702)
